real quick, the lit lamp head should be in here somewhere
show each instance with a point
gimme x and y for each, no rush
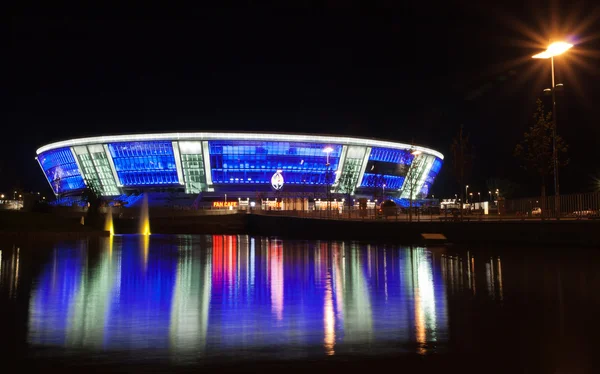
(328, 150)
(554, 49)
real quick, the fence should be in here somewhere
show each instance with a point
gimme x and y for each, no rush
(583, 205)
(389, 214)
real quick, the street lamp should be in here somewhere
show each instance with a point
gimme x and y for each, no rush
(490, 192)
(328, 150)
(554, 49)
(466, 191)
(479, 194)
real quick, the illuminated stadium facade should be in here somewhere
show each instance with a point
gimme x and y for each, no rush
(239, 164)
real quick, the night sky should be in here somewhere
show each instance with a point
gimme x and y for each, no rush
(405, 71)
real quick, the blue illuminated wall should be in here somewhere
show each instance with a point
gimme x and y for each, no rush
(144, 163)
(61, 170)
(254, 162)
(387, 166)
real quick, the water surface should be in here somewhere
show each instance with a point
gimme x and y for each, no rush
(193, 300)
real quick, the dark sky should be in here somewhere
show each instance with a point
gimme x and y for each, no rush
(407, 71)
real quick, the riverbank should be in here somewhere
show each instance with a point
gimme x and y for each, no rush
(44, 226)
(584, 233)
(545, 233)
(541, 233)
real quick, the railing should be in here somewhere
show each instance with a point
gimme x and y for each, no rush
(574, 206)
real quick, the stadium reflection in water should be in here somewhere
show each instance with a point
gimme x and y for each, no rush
(211, 295)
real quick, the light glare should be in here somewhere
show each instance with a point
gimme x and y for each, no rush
(554, 49)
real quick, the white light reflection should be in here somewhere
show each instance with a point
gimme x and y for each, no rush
(191, 299)
(89, 312)
(424, 296)
(358, 315)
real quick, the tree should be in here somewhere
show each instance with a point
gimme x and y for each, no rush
(535, 150)
(412, 181)
(462, 159)
(91, 194)
(506, 187)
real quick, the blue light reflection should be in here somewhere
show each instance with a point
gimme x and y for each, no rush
(194, 296)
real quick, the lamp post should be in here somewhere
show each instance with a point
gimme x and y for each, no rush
(383, 192)
(490, 192)
(554, 49)
(466, 192)
(479, 194)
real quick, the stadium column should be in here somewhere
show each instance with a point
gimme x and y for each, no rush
(207, 169)
(340, 167)
(177, 157)
(363, 167)
(417, 173)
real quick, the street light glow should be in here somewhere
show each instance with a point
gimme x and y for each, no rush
(416, 153)
(554, 49)
(328, 150)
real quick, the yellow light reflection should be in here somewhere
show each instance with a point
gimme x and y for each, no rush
(473, 272)
(145, 217)
(145, 239)
(329, 318)
(108, 222)
(500, 279)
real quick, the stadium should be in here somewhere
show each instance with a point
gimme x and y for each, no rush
(224, 170)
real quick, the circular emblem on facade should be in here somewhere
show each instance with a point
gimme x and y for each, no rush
(277, 180)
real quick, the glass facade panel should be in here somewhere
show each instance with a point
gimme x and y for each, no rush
(255, 162)
(61, 170)
(378, 180)
(193, 172)
(387, 166)
(86, 163)
(144, 163)
(351, 169)
(394, 156)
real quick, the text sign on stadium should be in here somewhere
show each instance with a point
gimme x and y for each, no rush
(225, 204)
